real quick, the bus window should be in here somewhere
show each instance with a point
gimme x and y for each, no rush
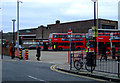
(78, 36)
(55, 36)
(61, 44)
(100, 45)
(107, 44)
(79, 43)
(66, 44)
(116, 44)
(83, 36)
(50, 36)
(65, 36)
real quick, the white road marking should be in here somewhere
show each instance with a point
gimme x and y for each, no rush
(35, 78)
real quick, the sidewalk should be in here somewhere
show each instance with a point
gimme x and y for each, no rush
(100, 75)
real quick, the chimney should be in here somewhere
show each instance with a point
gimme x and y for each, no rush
(57, 21)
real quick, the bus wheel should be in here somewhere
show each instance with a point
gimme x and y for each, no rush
(60, 49)
(78, 48)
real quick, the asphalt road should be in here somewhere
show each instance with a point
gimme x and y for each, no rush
(35, 72)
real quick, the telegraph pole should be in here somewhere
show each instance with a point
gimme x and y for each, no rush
(14, 31)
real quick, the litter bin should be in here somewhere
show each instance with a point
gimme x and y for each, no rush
(90, 59)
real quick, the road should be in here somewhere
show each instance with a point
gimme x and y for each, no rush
(34, 71)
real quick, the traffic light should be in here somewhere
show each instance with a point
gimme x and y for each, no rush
(20, 40)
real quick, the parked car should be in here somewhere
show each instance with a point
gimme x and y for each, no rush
(32, 46)
(19, 47)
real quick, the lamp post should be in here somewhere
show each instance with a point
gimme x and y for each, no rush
(13, 31)
(18, 25)
(2, 44)
(95, 28)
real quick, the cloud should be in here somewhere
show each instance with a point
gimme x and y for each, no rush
(79, 9)
(39, 1)
(43, 12)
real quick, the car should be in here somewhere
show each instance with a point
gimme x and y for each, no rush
(19, 47)
(32, 46)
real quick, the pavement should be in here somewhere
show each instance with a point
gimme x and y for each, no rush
(95, 74)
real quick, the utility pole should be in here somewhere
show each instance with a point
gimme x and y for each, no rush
(2, 45)
(14, 31)
(18, 26)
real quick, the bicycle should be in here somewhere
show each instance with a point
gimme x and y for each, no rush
(78, 64)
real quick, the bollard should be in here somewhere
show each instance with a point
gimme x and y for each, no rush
(26, 54)
(20, 54)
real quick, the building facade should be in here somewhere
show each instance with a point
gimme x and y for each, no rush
(31, 36)
(77, 27)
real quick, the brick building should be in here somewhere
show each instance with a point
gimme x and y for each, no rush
(30, 36)
(77, 27)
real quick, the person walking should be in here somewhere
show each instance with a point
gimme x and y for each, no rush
(38, 52)
(12, 51)
(54, 47)
(103, 53)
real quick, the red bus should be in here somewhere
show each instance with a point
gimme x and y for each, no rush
(46, 45)
(60, 41)
(107, 39)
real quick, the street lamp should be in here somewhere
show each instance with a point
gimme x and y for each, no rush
(94, 11)
(95, 28)
(13, 31)
(18, 25)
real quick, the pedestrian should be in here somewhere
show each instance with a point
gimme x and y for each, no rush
(103, 53)
(54, 47)
(38, 52)
(113, 52)
(12, 51)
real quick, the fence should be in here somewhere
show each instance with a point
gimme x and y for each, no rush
(109, 67)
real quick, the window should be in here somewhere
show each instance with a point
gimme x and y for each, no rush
(78, 36)
(116, 44)
(108, 27)
(66, 44)
(50, 36)
(28, 31)
(61, 44)
(60, 36)
(107, 44)
(79, 44)
(100, 44)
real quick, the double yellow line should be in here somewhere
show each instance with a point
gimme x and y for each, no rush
(53, 68)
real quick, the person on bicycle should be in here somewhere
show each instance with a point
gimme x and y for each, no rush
(88, 49)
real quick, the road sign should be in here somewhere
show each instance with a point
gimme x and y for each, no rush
(69, 32)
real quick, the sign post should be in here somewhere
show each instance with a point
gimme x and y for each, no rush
(69, 35)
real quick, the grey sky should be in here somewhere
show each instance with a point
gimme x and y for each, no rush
(42, 12)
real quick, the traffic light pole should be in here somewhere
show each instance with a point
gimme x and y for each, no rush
(69, 34)
(70, 55)
(95, 28)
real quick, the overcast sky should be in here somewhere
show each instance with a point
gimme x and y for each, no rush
(34, 13)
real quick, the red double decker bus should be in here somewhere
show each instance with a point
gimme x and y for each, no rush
(60, 41)
(110, 39)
